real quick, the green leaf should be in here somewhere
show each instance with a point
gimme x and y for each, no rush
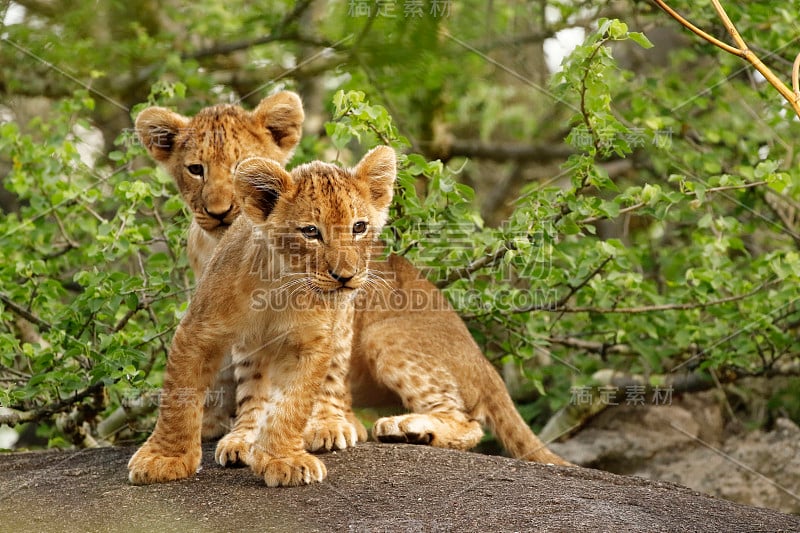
(640, 39)
(618, 30)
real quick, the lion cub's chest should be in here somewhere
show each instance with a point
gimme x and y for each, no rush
(200, 247)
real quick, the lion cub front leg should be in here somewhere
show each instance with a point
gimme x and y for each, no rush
(173, 449)
(278, 453)
(333, 425)
(252, 397)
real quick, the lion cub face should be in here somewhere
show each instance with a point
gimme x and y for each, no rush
(320, 221)
(201, 152)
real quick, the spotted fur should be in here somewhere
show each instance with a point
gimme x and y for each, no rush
(217, 138)
(421, 356)
(285, 341)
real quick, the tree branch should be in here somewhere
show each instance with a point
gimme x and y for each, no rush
(736, 187)
(572, 290)
(24, 313)
(623, 211)
(787, 210)
(541, 153)
(13, 417)
(602, 348)
(279, 35)
(742, 51)
(559, 306)
(481, 262)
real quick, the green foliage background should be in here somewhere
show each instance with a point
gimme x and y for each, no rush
(637, 210)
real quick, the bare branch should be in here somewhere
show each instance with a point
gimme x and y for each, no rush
(697, 31)
(742, 51)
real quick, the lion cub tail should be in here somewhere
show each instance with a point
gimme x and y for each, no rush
(509, 427)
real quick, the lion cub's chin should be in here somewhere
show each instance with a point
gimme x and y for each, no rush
(341, 294)
(215, 228)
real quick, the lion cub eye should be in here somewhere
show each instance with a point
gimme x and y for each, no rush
(359, 227)
(195, 170)
(311, 232)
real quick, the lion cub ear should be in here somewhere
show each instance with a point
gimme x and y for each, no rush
(259, 183)
(157, 128)
(282, 115)
(379, 169)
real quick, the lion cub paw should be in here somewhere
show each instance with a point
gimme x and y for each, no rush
(232, 450)
(150, 465)
(333, 433)
(287, 471)
(412, 429)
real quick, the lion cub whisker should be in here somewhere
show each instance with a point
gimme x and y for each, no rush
(276, 389)
(409, 346)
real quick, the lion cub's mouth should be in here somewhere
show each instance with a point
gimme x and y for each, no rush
(214, 226)
(334, 293)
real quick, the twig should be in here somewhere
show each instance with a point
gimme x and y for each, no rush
(163, 231)
(63, 231)
(793, 97)
(582, 284)
(481, 262)
(634, 207)
(124, 320)
(736, 187)
(19, 374)
(795, 76)
(118, 420)
(281, 34)
(557, 306)
(726, 21)
(500, 151)
(584, 112)
(647, 308)
(593, 346)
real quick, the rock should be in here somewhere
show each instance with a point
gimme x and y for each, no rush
(622, 438)
(757, 468)
(372, 487)
(685, 443)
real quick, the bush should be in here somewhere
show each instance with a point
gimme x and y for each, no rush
(94, 277)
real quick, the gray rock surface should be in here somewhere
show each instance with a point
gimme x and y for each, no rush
(685, 443)
(372, 487)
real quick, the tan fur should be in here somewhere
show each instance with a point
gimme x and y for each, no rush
(272, 281)
(217, 139)
(420, 355)
(410, 343)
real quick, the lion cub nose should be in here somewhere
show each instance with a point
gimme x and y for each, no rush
(217, 214)
(341, 279)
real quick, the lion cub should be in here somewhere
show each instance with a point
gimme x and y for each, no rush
(410, 347)
(278, 294)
